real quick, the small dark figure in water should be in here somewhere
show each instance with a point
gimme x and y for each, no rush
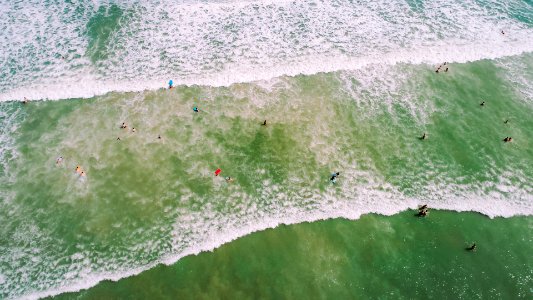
(472, 248)
(123, 126)
(446, 70)
(425, 206)
(159, 137)
(506, 121)
(503, 32)
(264, 123)
(118, 139)
(424, 136)
(334, 176)
(422, 213)
(482, 103)
(445, 63)
(508, 139)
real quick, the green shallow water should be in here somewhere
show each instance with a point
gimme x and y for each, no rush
(146, 200)
(375, 257)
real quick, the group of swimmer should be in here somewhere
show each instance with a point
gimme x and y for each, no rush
(507, 139)
(80, 171)
(440, 66)
(423, 210)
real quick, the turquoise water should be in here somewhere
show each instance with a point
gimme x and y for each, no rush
(346, 87)
(395, 257)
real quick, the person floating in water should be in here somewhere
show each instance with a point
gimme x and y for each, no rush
(264, 123)
(508, 139)
(59, 160)
(195, 109)
(425, 206)
(170, 84)
(472, 248)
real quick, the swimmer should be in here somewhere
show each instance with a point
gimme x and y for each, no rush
(445, 63)
(195, 109)
(82, 174)
(264, 123)
(133, 129)
(446, 70)
(503, 32)
(118, 139)
(472, 248)
(423, 213)
(123, 126)
(78, 169)
(424, 136)
(506, 121)
(508, 139)
(334, 177)
(482, 103)
(170, 84)
(59, 160)
(425, 206)
(159, 137)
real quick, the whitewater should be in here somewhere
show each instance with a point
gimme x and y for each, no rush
(345, 85)
(61, 50)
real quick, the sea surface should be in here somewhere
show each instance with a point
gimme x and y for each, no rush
(345, 86)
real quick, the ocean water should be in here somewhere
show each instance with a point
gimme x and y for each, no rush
(344, 86)
(375, 257)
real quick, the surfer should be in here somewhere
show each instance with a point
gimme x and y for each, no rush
(472, 248)
(425, 206)
(170, 84)
(264, 123)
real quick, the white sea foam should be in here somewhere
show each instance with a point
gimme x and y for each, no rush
(229, 42)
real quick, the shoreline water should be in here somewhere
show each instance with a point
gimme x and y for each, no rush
(168, 287)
